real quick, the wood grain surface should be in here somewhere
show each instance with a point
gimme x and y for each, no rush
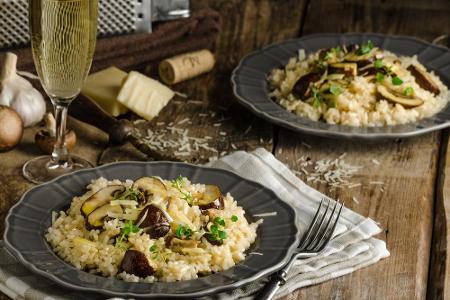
(412, 206)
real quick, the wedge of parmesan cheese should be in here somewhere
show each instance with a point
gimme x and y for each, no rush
(143, 95)
(103, 88)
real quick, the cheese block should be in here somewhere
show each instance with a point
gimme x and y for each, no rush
(103, 88)
(143, 95)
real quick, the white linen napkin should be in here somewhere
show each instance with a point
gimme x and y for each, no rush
(352, 248)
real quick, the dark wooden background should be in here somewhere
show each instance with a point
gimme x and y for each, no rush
(414, 207)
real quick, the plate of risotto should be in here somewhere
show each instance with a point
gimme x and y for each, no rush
(348, 85)
(152, 229)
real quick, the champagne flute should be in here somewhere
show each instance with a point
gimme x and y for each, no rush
(63, 37)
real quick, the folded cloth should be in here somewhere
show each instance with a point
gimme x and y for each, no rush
(352, 247)
(137, 51)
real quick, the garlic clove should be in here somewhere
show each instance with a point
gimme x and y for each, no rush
(19, 94)
(28, 108)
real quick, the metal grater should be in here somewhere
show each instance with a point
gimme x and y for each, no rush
(115, 17)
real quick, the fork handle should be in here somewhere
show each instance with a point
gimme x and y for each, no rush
(269, 290)
(280, 277)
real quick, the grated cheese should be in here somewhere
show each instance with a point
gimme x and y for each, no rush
(269, 214)
(306, 145)
(335, 173)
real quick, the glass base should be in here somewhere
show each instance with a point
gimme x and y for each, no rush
(41, 169)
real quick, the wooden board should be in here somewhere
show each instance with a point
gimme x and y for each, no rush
(408, 167)
(246, 26)
(403, 206)
(439, 278)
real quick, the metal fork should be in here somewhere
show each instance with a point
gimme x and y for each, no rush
(313, 242)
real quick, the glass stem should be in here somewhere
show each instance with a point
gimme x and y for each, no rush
(60, 155)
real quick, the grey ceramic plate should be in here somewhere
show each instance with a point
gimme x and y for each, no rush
(250, 86)
(28, 220)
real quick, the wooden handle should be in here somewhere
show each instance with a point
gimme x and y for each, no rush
(89, 112)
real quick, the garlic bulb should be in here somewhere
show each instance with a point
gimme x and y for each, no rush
(18, 93)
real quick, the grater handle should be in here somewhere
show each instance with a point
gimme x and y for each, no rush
(89, 112)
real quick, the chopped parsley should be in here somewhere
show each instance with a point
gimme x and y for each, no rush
(178, 184)
(319, 65)
(216, 235)
(396, 80)
(379, 77)
(409, 91)
(332, 103)
(128, 228)
(183, 232)
(329, 53)
(234, 218)
(219, 221)
(365, 48)
(378, 63)
(335, 90)
(316, 96)
(217, 231)
(154, 250)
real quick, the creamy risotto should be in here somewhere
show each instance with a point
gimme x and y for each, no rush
(152, 230)
(358, 85)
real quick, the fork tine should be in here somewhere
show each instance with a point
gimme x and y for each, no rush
(329, 233)
(321, 232)
(311, 226)
(319, 229)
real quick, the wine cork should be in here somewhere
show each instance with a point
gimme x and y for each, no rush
(186, 66)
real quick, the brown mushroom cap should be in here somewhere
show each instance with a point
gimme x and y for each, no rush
(100, 198)
(154, 221)
(212, 198)
(136, 263)
(11, 128)
(301, 87)
(424, 80)
(46, 142)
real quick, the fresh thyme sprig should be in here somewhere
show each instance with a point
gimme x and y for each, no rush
(128, 228)
(177, 183)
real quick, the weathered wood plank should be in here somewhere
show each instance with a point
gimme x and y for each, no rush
(424, 19)
(90, 143)
(408, 168)
(403, 206)
(439, 275)
(246, 26)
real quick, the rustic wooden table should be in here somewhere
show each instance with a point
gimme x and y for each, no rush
(413, 207)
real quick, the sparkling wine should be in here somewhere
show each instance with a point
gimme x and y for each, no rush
(63, 36)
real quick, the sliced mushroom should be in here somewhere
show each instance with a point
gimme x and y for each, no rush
(136, 263)
(369, 71)
(100, 198)
(154, 221)
(423, 79)
(361, 60)
(397, 98)
(176, 242)
(152, 186)
(212, 198)
(301, 88)
(95, 218)
(348, 69)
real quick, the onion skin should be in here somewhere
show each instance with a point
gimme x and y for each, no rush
(11, 128)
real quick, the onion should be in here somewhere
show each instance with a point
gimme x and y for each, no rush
(11, 128)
